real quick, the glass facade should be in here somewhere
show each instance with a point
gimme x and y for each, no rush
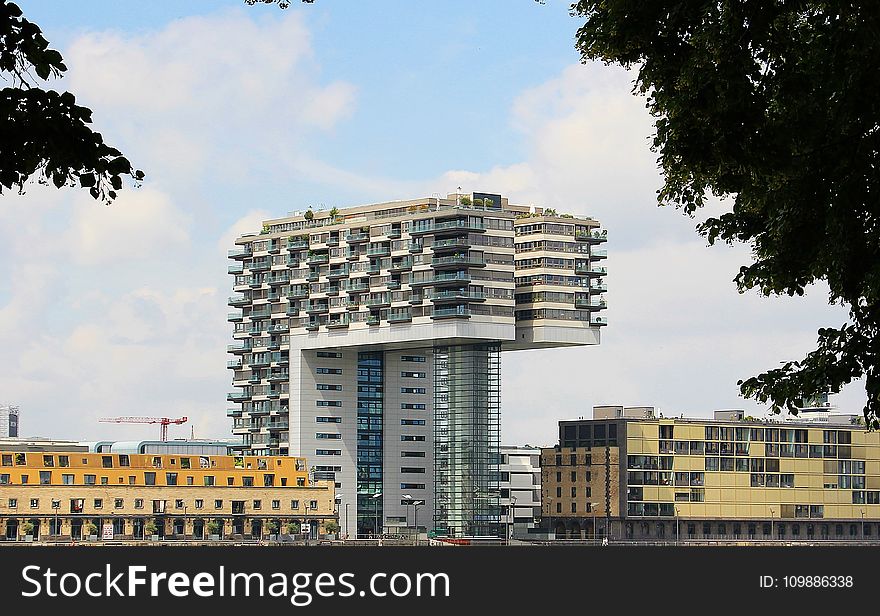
(467, 427)
(370, 397)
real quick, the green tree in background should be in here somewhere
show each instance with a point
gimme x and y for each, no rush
(774, 105)
(44, 133)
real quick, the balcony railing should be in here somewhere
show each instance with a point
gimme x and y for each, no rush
(337, 322)
(259, 266)
(239, 253)
(378, 251)
(238, 396)
(317, 308)
(357, 237)
(451, 225)
(452, 312)
(238, 300)
(455, 260)
(234, 364)
(375, 302)
(599, 321)
(234, 316)
(236, 268)
(445, 296)
(317, 259)
(451, 243)
(298, 292)
(594, 237)
(399, 316)
(238, 348)
(599, 254)
(297, 243)
(589, 304)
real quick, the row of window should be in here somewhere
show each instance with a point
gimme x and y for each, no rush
(77, 504)
(149, 479)
(770, 435)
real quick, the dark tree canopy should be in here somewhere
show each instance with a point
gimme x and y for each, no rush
(775, 105)
(44, 133)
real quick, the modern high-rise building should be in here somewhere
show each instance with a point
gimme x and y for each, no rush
(368, 340)
(8, 421)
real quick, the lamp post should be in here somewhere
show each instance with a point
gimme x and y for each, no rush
(376, 496)
(416, 505)
(409, 501)
(56, 505)
(771, 523)
(346, 520)
(336, 502)
(184, 521)
(863, 523)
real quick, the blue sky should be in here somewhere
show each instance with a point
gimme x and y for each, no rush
(241, 113)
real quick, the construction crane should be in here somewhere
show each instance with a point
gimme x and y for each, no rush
(163, 422)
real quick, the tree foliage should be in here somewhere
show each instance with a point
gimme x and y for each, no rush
(44, 133)
(775, 105)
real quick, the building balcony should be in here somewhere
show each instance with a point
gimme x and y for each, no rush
(313, 276)
(259, 314)
(357, 286)
(260, 266)
(234, 364)
(353, 304)
(373, 319)
(393, 234)
(399, 316)
(456, 278)
(293, 262)
(598, 321)
(596, 272)
(254, 377)
(277, 377)
(241, 252)
(317, 259)
(589, 304)
(233, 412)
(274, 246)
(378, 302)
(453, 312)
(279, 425)
(415, 300)
(352, 255)
(312, 326)
(234, 316)
(353, 238)
(458, 261)
(598, 287)
(337, 273)
(593, 237)
(333, 240)
(236, 268)
(255, 282)
(400, 265)
(416, 247)
(378, 251)
(274, 295)
(393, 285)
(260, 361)
(279, 279)
(293, 310)
(238, 348)
(453, 243)
(238, 396)
(298, 292)
(374, 268)
(595, 255)
(317, 308)
(338, 321)
(278, 328)
(458, 295)
(331, 291)
(449, 226)
(274, 345)
(297, 243)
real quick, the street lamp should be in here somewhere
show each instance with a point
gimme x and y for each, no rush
(863, 523)
(409, 501)
(56, 505)
(416, 505)
(184, 521)
(375, 496)
(337, 501)
(771, 523)
(346, 520)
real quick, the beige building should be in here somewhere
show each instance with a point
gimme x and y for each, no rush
(728, 477)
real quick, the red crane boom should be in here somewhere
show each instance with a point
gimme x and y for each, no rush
(163, 422)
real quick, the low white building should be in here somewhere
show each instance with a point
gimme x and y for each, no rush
(520, 487)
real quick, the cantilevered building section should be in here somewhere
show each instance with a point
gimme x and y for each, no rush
(368, 340)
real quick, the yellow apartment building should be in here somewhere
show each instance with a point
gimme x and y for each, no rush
(66, 495)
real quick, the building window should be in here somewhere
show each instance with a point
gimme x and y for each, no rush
(138, 503)
(313, 504)
(13, 503)
(149, 478)
(35, 503)
(230, 481)
(48, 461)
(99, 503)
(45, 478)
(328, 403)
(65, 480)
(276, 504)
(200, 504)
(92, 480)
(558, 507)
(412, 422)
(258, 504)
(218, 504)
(412, 375)
(209, 480)
(123, 460)
(247, 482)
(63, 461)
(294, 504)
(328, 419)
(118, 503)
(413, 358)
(178, 503)
(171, 479)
